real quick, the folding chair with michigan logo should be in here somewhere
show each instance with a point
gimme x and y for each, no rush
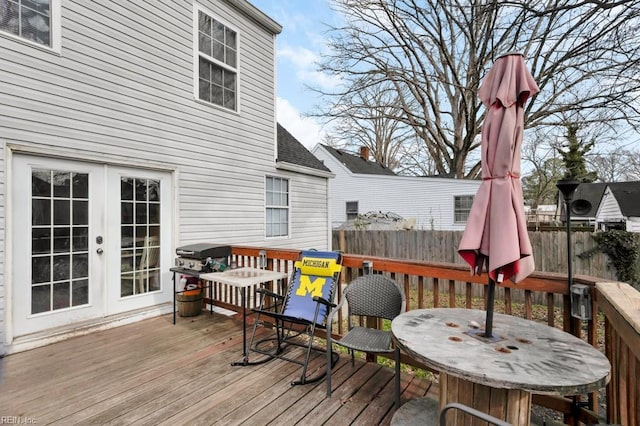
(297, 314)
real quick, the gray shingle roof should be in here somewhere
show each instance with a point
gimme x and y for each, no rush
(290, 150)
(592, 192)
(357, 164)
(628, 196)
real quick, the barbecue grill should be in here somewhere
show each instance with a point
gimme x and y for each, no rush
(202, 258)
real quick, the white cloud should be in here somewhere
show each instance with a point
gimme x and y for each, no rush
(299, 56)
(304, 61)
(306, 130)
(318, 79)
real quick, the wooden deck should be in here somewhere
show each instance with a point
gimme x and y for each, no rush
(156, 373)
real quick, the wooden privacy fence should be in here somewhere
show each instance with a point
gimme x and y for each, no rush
(549, 249)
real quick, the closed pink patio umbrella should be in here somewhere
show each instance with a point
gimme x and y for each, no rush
(496, 236)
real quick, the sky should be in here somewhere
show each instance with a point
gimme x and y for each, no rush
(298, 48)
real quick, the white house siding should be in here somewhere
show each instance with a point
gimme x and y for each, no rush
(609, 210)
(309, 220)
(633, 224)
(429, 200)
(122, 91)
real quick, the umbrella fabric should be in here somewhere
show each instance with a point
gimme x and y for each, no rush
(496, 231)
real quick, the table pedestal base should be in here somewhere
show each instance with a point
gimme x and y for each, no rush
(510, 405)
(417, 412)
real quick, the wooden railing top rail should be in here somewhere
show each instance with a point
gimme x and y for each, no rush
(538, 281)
(621, 304)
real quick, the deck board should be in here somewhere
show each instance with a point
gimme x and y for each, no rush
(156, 373)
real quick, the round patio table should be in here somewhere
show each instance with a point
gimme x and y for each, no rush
(498, 375)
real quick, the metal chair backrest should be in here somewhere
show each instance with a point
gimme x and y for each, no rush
(471, 411)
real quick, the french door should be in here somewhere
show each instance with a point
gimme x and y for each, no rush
(87, 242)
(139, 239)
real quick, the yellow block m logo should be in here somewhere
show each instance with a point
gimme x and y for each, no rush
(307, 286)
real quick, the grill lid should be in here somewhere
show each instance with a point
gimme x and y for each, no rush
(203, 251)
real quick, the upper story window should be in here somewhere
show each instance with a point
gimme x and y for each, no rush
(277, 205)
(352, 210)
(217, 62)
(37, 21)
(462, 207)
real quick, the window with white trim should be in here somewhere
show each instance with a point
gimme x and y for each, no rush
(36, 21)
(217, 62)
(462, 206)
(277, 207)
(352, 210)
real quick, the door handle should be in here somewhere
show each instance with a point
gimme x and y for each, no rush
(99, 251)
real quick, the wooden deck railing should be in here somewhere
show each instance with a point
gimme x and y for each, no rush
(449, 285)
(620, 304)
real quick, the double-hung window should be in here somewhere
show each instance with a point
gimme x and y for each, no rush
(217, 62)
(277, 205)
(37, 21)
(462, 207)
(352, 210)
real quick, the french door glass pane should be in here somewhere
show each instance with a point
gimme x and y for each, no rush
(80, 292)
(61, 294)
(40, 211)
(41, 241)
(61, 184)
(59, 240)
(126, 189)
(40, 298)
(80, 238)
(140, 236)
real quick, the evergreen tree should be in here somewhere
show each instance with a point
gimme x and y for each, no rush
(574, 156)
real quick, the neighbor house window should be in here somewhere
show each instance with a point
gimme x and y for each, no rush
(462, 207)
(217, 62)
(37, 21)
(277, 200)
(352, 210)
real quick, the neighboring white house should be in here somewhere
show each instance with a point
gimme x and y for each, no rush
(134, 125)
(544, 213)
(620, 207)
(361, 186)
(586, 197)
(605, 205)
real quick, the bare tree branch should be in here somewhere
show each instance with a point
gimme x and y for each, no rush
(585, 56)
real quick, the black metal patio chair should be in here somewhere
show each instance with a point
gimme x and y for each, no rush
(297, 314)
(472, 412)
(374, 297)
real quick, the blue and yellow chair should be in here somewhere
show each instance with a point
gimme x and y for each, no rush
(299, 312)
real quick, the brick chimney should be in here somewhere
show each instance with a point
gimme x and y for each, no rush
(364, 152)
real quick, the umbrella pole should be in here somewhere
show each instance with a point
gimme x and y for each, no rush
(488, 328)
